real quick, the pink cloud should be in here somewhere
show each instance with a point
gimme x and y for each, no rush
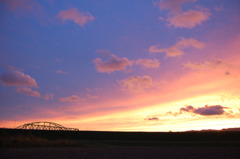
(137, 83)
(175, 6)
(26, 5)
(178, 18)
(78, 17)
(188, 19)
(28, 91)
(148, 63)
(177, 49)
(73, 98)
(113, 64)
(17, 78)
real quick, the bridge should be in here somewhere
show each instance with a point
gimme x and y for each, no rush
(45, 126)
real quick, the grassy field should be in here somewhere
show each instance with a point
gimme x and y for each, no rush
(35, 144)
(40, 138)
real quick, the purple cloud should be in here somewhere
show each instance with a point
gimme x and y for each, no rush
(137, 83)
(206, 110)
(152, 118)
(175, 6)
(73, 98)
(148, 63)
(28, 91)
(114, 63)
(17, 78)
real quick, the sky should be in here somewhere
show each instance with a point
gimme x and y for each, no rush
(110, 65)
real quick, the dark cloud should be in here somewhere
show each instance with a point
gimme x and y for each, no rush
(206, 110)
(151, 118)
(17, 78)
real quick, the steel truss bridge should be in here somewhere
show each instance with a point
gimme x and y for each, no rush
(45, 126)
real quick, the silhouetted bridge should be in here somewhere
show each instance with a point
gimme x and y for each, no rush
(45, 126)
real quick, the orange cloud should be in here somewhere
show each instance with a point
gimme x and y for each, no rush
(177, 49)
(188, 19)
(148, 63)
(113, 64)
(17, 78)
(78, 17)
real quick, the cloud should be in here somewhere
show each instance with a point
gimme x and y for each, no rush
(17, 78)
(148, 63)
(179, 19)
(152, 118)
(207, 64)
(92, 96)
(26, 5)
(188, 19)
(175, 6)
(137, 83)
(73, 98)
(78, 17)
(114, 63)
(206, 110)
(61, 72)
(48, 96)
(177, 49)
(28, 91)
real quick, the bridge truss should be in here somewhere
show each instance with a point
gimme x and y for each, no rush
(45, 126)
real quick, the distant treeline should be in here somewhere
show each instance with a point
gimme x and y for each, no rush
(207, 136)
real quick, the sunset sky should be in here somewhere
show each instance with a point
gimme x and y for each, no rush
(120, 65)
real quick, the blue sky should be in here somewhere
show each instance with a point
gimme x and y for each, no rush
(109, 62)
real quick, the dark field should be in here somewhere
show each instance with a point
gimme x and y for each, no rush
(34, 144)
(121, 153)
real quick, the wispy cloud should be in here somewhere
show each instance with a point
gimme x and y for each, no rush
(28, 91)
(24, 5)
(73, 98)
(148, 63)
(61, 72)
(204, 65)
(114, 63)
(48, 96)
(137, 83)
(177, 49)
(174, 6)
(78, 17)
(17, 78)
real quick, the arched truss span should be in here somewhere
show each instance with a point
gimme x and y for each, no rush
(45, 126)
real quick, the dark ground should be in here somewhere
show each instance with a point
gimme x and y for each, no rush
(35, 144)
(121, 153)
